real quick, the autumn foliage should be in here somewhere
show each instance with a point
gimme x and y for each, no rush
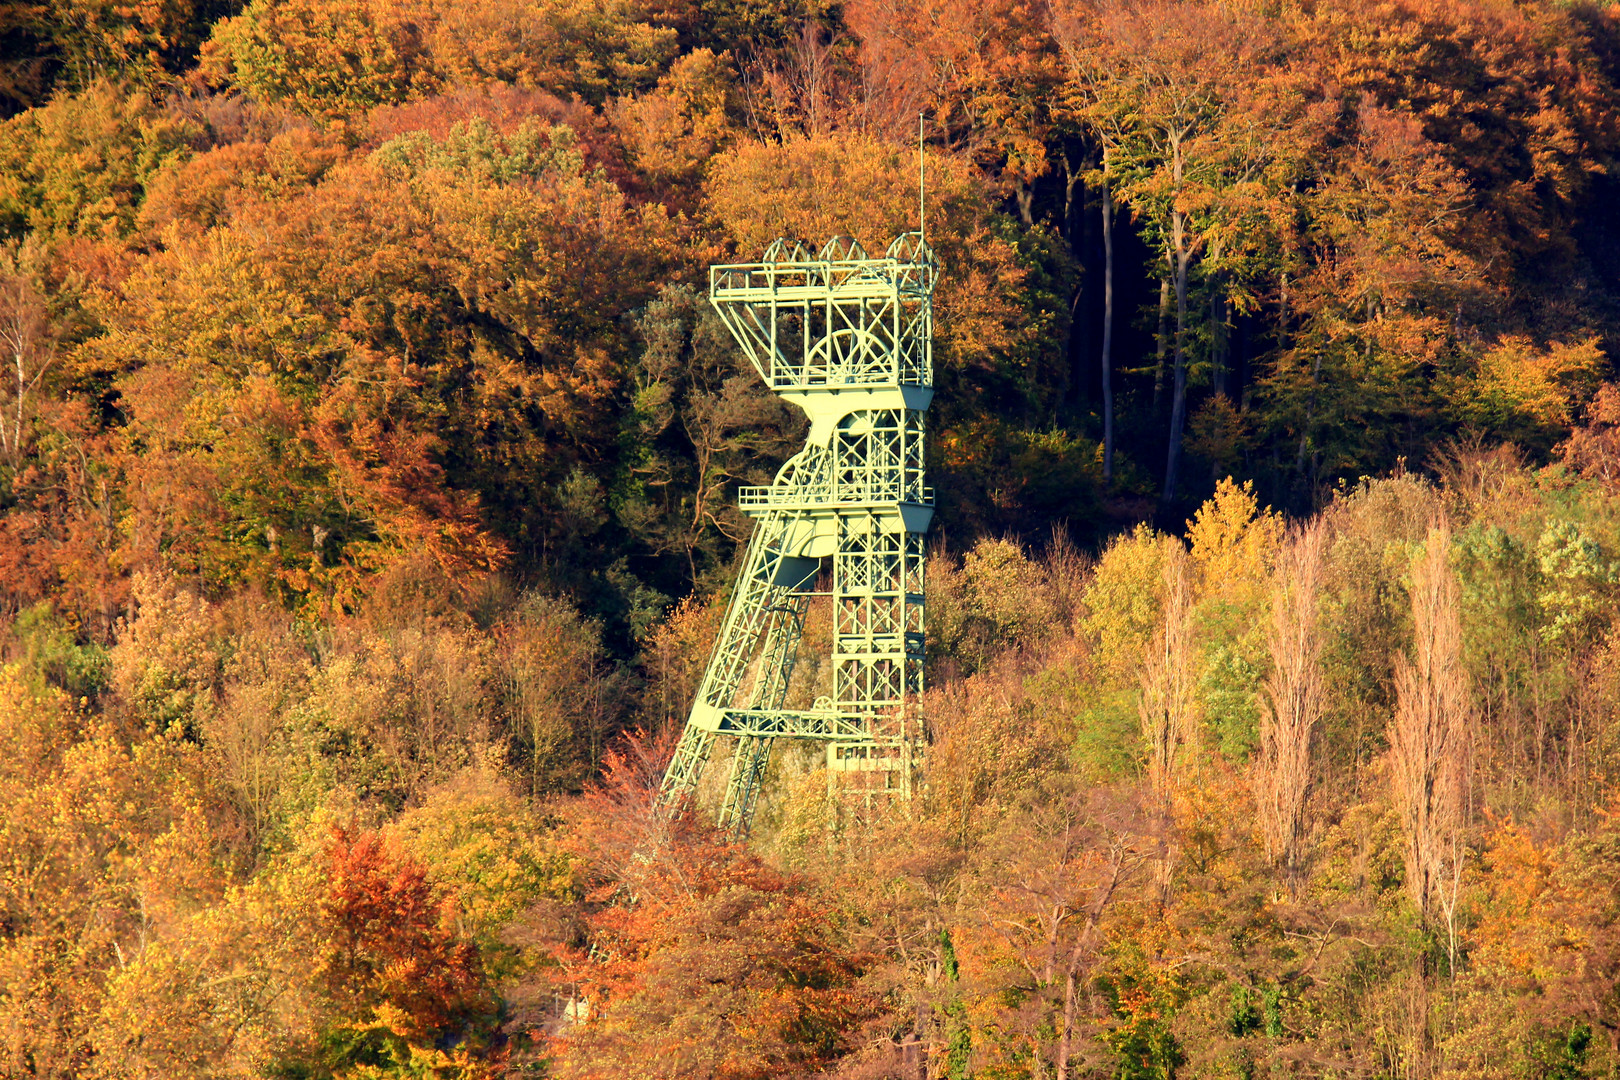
(368, 469)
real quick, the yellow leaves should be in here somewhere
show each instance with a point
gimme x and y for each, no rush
(163, 666)
(459, 1063)
(1144, 977)
(999, 598)
(1233, 540)
(589, 48)
(1122, 601)
(676, 650)
(103, 846)
(1219, 432)
(77, 166)
(815, 188)
(1219, 654)
(482, 842)
(337, 58)
(1529, 921)
(322, 57)
(672, 132)
(157, 1017)
(129, 37)
(36, 724)
(1520, 384)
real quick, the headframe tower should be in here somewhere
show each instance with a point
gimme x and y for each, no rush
(848, 339)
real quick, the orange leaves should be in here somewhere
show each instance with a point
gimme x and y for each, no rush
(671, 133)
(986, 69)
(338, 58)
(1519, 927)
(323, 57)
(60, 524)
(1145, 982)
(689, 950)
(386, 465)
(1521, 389)
(245, 465)
(583, 48)
(297, 382)
(1593, 449)
(394, 951)
(1547, 918)
(753, 958)
(212, 187)
(1511, 91)
(1388, 225)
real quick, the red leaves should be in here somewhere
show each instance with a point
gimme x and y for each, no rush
(690, 950)
(395, 952)
(1593, 449)
(387, 465)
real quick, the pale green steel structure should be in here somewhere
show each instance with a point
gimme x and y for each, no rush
(848, 339)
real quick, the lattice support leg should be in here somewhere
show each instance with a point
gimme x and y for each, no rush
(681, 778)
(742, 787)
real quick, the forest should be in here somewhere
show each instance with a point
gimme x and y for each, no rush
(368, 464)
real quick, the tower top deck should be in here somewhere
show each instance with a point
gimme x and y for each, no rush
(835, 320)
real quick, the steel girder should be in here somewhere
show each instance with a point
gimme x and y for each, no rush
(848, 339)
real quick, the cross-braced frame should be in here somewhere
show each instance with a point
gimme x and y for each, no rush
(848, 339)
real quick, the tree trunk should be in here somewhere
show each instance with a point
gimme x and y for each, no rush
(1077, 955)
(1074, 233)
(1066, 1040)
(1178, 389)
(1163, 337)
(1429, 732)
(1294, 691)
(1071, 182)
(1305, 429)
(1243, 369)
(1282, 311)
(5, 426)
(1108, 326)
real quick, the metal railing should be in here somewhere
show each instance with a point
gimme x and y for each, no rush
(761, 497)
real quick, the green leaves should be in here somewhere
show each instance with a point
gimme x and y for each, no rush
(79, 166)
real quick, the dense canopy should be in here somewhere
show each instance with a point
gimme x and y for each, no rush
(368, 461)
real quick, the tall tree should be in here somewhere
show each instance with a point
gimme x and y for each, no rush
(1156, 83)
(1429, 736)
(28, 346)
(1295, 699)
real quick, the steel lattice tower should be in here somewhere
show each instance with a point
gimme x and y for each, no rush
(848, 339)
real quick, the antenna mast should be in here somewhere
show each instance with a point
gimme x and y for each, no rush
(921, 215)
